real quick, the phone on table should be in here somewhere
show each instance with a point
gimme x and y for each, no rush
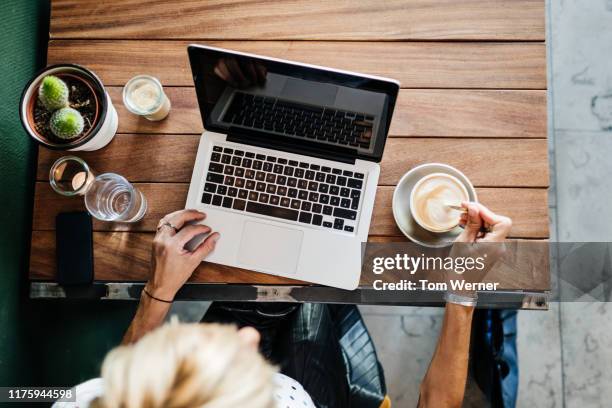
(74, 248)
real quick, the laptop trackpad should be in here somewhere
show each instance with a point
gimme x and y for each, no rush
(270, 248)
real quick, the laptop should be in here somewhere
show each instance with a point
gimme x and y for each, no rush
(288, 164)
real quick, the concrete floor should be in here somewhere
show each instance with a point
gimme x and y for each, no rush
(566, 353)
(581, 147)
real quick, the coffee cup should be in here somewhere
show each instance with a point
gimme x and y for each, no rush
(430, 199)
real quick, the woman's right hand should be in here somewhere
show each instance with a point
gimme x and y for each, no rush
(482, 238)
(482, 225)
(171, 263)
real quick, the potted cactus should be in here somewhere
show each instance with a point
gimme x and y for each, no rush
(66, 107)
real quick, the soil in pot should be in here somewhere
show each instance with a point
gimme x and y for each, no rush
(82, 98)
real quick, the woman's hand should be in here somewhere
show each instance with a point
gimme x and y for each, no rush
(241, 73)
(171, 266)
(171, 263)
(482, 225)
(482, 238)
(444, 383)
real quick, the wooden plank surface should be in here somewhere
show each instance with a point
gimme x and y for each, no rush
(300, 19)
(415, 65)
(473, 76)
(123, 256)
(418, 112)
(530, 220)
(126, 256)
(486, 162)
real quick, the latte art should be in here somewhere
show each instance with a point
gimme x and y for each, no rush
(430, 199)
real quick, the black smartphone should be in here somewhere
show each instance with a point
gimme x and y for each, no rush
(74, 248)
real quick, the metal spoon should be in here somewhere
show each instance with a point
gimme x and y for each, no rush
(457, 207)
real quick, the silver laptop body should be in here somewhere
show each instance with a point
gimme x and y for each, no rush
(288, 166)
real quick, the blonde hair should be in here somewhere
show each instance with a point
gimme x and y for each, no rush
(187, 365)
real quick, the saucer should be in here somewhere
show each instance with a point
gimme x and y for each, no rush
(401, 205)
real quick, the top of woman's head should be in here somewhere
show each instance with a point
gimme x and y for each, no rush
(187, 365)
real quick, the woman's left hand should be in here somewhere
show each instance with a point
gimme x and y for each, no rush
(171, 263)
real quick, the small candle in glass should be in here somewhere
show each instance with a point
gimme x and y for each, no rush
(71, 176)
(143, 95)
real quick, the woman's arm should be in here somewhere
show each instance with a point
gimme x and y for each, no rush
(171, 266)
(149, 315)
(444, 383)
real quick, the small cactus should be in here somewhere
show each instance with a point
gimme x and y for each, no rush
(53, 93)
(66, 123)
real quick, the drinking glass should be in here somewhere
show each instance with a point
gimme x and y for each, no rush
(110, 197)
(70, 176)
(144, 95)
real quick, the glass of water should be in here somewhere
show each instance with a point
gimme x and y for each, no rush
(110, 197)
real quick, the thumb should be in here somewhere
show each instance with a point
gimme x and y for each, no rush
(472, 225)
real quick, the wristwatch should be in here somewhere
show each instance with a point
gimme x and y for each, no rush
(461, 300)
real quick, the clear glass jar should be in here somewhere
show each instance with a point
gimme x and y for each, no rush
(112, 198)
(70, 176)
(108, 196)
(144, 95)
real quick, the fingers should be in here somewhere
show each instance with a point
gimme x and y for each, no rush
(471, 221)
(188, 232)
(262, 72)
(489, 216)
(499, 231)
(207, 246)
(478, 216)
(222, 71)
(499, 225)
(250, 72)
(179, 218)
(463, 219)
(236, 73)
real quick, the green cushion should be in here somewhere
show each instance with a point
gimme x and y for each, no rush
(41, 342)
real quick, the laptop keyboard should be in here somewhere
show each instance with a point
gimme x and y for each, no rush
(307, 193)
(295, 119)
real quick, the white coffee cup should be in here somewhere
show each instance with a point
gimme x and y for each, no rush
(429, 200)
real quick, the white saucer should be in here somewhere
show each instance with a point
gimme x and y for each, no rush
(401, 205)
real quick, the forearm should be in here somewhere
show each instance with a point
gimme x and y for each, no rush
(149, 315)
(444, 382)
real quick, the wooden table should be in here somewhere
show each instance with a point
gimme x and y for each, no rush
(473, 95)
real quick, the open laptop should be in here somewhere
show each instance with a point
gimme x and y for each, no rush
(287, 166)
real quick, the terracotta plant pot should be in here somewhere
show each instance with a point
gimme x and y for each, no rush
(101, 118)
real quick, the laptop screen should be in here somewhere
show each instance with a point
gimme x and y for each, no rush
(332, 110)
